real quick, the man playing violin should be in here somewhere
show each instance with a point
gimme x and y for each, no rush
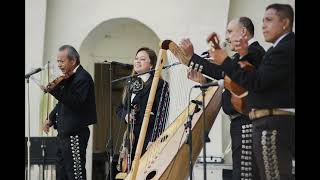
(72, 114)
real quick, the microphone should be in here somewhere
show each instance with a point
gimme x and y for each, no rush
(33, 72)
(169, 66)
(213, 83)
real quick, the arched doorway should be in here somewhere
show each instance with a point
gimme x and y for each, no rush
(116, 39)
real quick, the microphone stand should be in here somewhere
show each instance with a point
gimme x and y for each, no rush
(188, 126)
(205, 138)
(43, 147)
(28, 142)
(110, 127)
(129, 122)
(27, 76)
(43, 142)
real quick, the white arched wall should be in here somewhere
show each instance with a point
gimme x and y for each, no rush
(116, 39)
(70, 22)
(34, 46)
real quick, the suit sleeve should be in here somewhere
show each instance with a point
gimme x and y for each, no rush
(77, 96)
(53, 117)
(209, 69)
(254, 56)
(270, 73)
(121, 112)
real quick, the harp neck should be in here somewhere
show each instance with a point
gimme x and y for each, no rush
(162, 59)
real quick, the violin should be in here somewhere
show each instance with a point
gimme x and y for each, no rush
(53, 84)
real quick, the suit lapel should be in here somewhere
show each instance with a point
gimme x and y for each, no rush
(144, 91)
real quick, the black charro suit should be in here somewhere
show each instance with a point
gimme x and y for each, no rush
(240, 125)
(160, 106)
(256, 52)
(75, 110)
(271, 86)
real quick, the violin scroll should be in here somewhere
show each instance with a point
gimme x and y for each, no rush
(53, 84)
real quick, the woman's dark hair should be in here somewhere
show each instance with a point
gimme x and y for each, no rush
(153, 61)
(152, 55)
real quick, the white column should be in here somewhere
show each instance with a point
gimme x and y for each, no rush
(35, 19)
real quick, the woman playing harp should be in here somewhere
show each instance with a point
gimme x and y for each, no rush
(145, 60)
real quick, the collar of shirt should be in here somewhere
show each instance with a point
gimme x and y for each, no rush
(252, 40)
(145, 77)
(279, 39)
(75, 69)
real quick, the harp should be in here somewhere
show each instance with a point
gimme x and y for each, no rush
(166, 157)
